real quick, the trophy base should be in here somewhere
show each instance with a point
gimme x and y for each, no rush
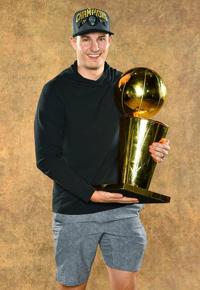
(143, 195)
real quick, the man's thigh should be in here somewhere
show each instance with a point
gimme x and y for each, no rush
(123, 244)
(75, 249)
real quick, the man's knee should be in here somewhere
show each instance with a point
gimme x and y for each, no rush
(78, 287)
(122, 280)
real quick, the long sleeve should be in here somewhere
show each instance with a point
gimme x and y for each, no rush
(49, 127)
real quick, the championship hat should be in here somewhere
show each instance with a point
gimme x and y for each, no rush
(90, 20)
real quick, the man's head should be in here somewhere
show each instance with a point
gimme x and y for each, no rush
(91, 38)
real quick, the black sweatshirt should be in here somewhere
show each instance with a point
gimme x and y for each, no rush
(76, 138)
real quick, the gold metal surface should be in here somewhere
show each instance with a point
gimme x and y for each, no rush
(140, 92)
(136, 164)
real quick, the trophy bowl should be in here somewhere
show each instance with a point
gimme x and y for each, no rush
(140, 92)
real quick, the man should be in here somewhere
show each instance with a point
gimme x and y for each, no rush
(76, 137)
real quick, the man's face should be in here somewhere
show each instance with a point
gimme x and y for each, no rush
(91, 49)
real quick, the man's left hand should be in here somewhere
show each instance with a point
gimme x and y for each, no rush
(159, 150)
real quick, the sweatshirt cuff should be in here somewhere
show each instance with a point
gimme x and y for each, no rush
(85, 192)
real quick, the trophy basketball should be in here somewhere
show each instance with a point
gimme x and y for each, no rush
(140, 93)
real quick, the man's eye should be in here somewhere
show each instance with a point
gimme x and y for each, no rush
(102, 38)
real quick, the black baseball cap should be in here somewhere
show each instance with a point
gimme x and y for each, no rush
(90, 20)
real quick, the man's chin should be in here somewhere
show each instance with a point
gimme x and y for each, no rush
(93, 67)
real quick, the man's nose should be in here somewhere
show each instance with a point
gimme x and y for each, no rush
(94, 46)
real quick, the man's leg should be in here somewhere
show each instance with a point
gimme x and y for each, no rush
(122, 280)
(76, 241)
(122, 245)
(79, 287)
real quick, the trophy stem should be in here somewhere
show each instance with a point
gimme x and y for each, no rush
(136, 163)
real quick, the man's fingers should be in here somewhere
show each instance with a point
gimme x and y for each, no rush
(129, 200)
(113, 196)
(157, 158)
(158, 147)
(159, 153)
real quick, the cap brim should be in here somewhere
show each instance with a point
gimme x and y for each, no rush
(92, 30)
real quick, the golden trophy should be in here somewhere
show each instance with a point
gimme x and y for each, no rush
(140, 93)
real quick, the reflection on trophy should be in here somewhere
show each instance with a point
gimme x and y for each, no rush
(140, 93)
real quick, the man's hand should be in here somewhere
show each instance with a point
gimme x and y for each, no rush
(159, 150)
(111, 197)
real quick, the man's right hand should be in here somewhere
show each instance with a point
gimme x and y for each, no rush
(111, 197)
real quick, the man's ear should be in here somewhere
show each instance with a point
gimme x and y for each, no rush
(73, 42)
(110, 39)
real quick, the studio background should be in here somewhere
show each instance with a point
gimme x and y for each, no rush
(162, 35)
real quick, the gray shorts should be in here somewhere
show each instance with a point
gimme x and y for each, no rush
(122, 242)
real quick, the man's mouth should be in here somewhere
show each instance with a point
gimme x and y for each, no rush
(94, 56)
